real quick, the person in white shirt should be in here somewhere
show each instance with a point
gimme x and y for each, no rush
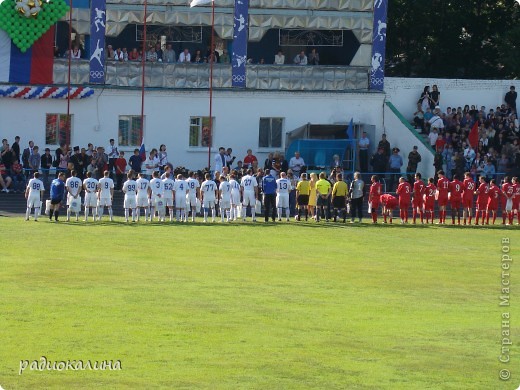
(180, 191)
(283, 186)
(193, 194)
(105, 195)
(235, 197)
(249, 189)
(151, 163)
(168, 183)
(130, 191)
(90, 185)
(113, 154)
(225, 199)
(73, 186)
(296, 163)
(156, 197)
(364, 144)
(220, 159)
(279, 58)
(300, 59)
(208, 196)
(185, 56)
(143, 192)
(433, 136)
(34, 195)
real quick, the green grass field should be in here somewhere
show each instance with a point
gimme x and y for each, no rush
(254, 306)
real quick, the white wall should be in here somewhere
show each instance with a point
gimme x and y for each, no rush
(399, 136)
(404, 92)
(168, 112)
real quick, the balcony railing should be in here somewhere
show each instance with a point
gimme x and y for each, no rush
(196, 76)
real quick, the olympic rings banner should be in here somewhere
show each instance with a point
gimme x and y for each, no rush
(97, 41)
(377, 71)
(240, 30)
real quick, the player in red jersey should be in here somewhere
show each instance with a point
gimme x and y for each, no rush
(507, 201)
(418, 203)
(467, 197)
(404, 190)
(456, 188)
(492, 205)
(443, 185)
(429, 199)
(389, 203)
(373, 197)
(516, 199)
(482, 199)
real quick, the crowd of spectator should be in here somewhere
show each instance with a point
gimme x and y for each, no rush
(496, 147)
(166, 54)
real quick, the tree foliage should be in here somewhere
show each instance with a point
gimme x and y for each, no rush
(453, 38)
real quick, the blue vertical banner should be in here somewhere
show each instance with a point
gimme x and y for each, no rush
(377, 71)
(98, 16)
(240, 33)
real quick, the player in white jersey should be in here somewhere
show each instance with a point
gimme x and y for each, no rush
(34, 196)
(90, 185)
(208, 196)
(73, 186)
(180, 190)
(249, 187)
(283, 186)
(143, 193)
(235, 197)
(225, 199)
(105, 195)
(193, 194)
(130, 191)
(156, 197)
(168, 183)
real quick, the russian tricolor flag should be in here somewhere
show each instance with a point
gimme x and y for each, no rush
(35, 66)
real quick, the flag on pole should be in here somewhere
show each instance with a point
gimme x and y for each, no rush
(142, 151)
(195, 3)
(350, 129)
(473, 136)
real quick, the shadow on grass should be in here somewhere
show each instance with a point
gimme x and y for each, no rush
(260, 224)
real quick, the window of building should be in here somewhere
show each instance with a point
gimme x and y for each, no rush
(200, 134)
(129, 130)
(58, 129)
(270, 133)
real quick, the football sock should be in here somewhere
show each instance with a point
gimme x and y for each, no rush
(213, 212)
(279, 212)
(205, 213)
(126, 214)
(28, 212)
(36, 213)
(146, 212)
(110, 212)
(56, 214)
(287, 213)
(177, 214)
(50, 213)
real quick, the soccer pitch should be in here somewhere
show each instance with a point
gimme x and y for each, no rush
(256, 306)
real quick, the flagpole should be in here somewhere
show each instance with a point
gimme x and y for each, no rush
(143, 62)
(69, 122)
(211, 60)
